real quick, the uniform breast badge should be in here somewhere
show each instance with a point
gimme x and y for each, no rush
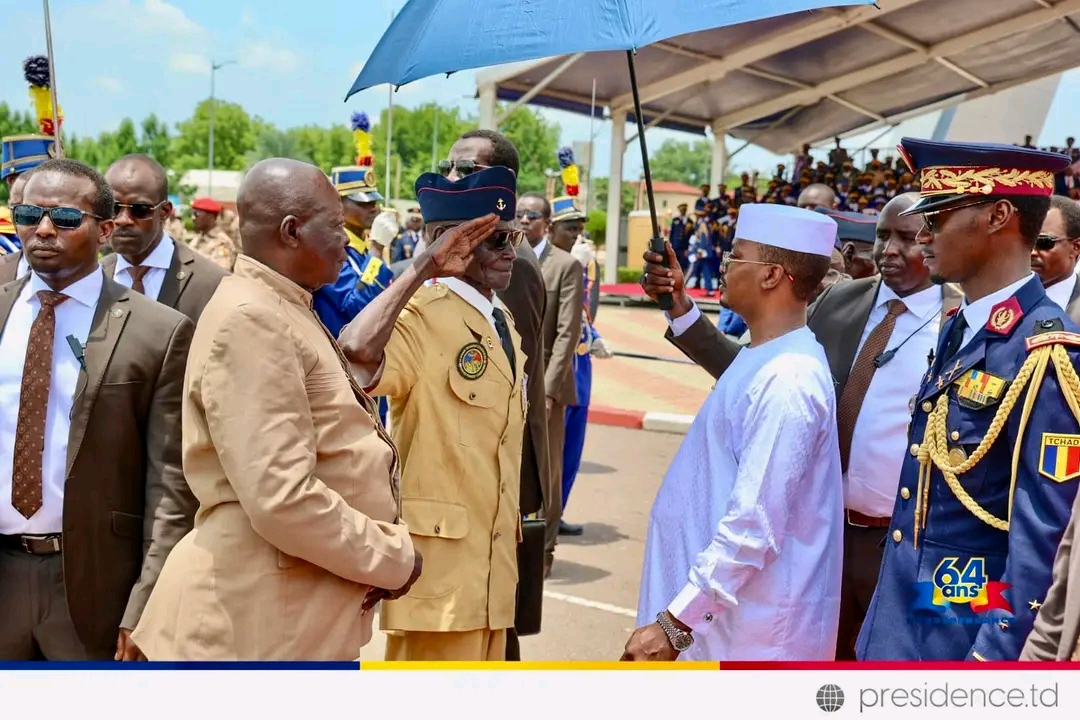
(1059, 457)
(977, 389)
(472, 361)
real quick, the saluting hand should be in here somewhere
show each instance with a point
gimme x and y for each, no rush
(452, 252)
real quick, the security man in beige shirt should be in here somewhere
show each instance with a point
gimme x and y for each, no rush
(297, 535)
(447, 355)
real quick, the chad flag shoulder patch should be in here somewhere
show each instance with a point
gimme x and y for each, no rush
(1059, 457)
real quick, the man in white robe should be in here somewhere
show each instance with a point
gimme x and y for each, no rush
(745, 542)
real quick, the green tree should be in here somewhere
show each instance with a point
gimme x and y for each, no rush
(537, 141)
(681, 161)
(154, 140)
(416, 132)
(600, 195)
(235, 137)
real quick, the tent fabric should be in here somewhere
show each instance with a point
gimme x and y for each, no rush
(1015, 41)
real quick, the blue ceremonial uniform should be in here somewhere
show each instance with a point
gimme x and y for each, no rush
(577, 415)
(983, 500)
(682, 228)
(361, 279)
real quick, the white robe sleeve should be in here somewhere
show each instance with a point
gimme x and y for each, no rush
(781, 430)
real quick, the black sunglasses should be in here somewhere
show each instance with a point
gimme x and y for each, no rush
(464, 167)
(504, 239)
(931, 218)
(64, 218)
(138, 211)
(530, 214)
(1047, 242)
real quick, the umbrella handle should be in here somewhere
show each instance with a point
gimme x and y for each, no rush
(656, 243)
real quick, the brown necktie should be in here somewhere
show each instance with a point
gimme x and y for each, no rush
(138, 272)
(859, 380)
(33, 405)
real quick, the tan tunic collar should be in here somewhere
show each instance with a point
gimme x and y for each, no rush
(251, 268)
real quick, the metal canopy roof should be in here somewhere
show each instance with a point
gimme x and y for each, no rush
(801, 78)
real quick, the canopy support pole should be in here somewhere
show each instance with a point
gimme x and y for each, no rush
(614, 197)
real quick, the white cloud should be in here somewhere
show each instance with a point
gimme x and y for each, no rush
(268, 56)
(109, 84)
(189, 62)
(248, 18)
(160, 16)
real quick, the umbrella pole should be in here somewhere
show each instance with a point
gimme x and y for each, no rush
(656, 244)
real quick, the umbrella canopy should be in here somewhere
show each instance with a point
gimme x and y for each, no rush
(432, 37)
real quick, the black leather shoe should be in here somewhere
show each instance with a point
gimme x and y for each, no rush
(566, 528)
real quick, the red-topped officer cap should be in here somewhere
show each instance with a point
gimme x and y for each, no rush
(206, 205)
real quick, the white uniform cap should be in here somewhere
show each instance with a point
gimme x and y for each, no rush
(786, 227)
(384, 228)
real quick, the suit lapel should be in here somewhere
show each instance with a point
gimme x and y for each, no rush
(110, 316)
(7, 299)
(850, 332)
(108, 263)
(177, 277)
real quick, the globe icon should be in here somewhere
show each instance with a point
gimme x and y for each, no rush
(830, 698)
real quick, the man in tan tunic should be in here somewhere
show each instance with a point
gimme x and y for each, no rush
(208, 239)
(448, 357)
(297, 535)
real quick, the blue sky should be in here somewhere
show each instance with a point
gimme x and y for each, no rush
(294, 63)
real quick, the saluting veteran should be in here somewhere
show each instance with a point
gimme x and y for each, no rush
(296, 535)
(448, 357)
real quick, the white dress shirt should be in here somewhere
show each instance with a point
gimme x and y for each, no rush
(23, 267)
(977, 314)
(158, 261)
(73, 317)
(1061, 291)
(539, 248)
(472, 296)
(745, 541)
(879, 441)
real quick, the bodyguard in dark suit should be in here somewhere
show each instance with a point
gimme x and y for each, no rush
(92, 493)
(893, 318)
(149, 261)
(987, 487)
(1055, 255)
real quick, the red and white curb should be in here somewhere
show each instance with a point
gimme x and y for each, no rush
(640, 420)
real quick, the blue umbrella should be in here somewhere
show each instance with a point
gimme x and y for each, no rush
(431, 37)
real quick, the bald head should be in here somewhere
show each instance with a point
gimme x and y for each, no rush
(817, 195)
(291, 220)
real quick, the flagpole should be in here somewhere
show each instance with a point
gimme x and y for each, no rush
(52, 82)
(389, 127)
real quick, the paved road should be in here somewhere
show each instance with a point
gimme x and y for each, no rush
(591, 597)
(645, 385)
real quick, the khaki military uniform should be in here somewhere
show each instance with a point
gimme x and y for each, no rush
(458, 418)
(215, 245)
(175, 228)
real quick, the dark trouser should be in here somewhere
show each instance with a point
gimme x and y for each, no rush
(34, 619)
(553, 513)
(513, 647)
(862, 561)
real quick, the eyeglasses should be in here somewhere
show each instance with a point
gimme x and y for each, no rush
(931, 224)
(1047, 242)
(728, 260)
(464, 167)
(528, 214)
(138, 211)
(504, 239)
(64, 218)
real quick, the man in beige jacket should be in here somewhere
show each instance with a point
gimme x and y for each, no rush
(297, 534)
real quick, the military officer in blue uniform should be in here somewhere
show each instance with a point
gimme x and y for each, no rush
(682, 227)
(987, 488)
(363, 276)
